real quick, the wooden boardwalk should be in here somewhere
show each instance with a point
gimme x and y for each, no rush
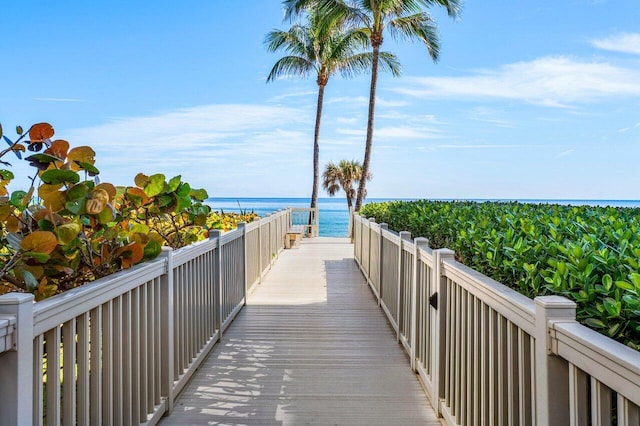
(310, 347)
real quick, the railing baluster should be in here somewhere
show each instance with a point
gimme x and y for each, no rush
(69, 372)
(117, 360)
(600, 404)
(135, 356)
(38, 383)
(83, 369)
(52, 346)
(96, 360)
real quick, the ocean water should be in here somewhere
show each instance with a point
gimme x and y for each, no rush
(334, 214)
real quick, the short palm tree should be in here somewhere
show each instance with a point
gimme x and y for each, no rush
(343, 176)
(404, 19)
(323, 48)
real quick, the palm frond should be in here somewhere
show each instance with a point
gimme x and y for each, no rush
(294, 41)
(419, 26)
(290, 65)
(453, 7)
(355, 64)
(390, 63)
(294, 8)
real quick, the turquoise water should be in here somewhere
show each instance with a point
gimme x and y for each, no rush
(334, 215)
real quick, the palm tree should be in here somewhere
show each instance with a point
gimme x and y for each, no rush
(343, 176)
(323, 48)
(405, 19)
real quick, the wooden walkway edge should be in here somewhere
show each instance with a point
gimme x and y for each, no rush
(310, 347)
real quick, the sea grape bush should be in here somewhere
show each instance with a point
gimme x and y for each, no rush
(67, 228)
(588, 254)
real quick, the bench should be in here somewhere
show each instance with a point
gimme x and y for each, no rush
(293, 236)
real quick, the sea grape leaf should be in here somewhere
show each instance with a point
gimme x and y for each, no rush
(58, 148)
(40, 132)
(155, 185)
(152, 250)
(38, 257)
(90, 168)
(39, 242)
(174, 183)
(52, 199)
(56, 176)
(6, 174)
(17, 197)
(137, 196)
(68, 232)
(141, 180)
(199, 194)
(5, 212)
(107, 215)
(184, 190)
(83, 154)
(77, 192)
(29, 280)
(109, 188)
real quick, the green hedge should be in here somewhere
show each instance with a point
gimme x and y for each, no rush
(588, 254)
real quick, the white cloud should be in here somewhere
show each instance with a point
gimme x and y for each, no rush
(489, 115)
(293, 95)
(565, 153)
(483, 146)
(394, 132)
(363, 100)
(58, 100)
(555, 81)
(202, 143)
(345, 120)
(406, 132)
(623, 42)
(626, 129)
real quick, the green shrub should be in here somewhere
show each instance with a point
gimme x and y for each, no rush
(588, 254)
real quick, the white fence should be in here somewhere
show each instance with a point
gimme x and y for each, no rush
(488, 355)
(309, 218)
(118, 350)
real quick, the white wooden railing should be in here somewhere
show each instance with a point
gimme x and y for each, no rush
(488, 355)
(309, 218)
(118, 350)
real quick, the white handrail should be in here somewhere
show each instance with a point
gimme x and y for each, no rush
(136, 336)
(485, 352)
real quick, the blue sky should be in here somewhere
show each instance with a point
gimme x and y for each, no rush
(530, 99)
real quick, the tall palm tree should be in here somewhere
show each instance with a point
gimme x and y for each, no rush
(342, 176)
(323, 48)
(405, 19)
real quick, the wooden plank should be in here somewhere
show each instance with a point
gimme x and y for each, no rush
(311, 346)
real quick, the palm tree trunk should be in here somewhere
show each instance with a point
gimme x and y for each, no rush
(316, 148)
(367, 147)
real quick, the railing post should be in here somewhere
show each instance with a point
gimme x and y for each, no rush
(270, 220)
(418, 244)
(383, 227)
(217, 280)
(552, 372)
(16, 365)
(438, 325)
(404, 236)
(243, 228)
(259, 250)
(166, 330)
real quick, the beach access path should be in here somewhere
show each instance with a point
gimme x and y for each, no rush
(310, 347)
